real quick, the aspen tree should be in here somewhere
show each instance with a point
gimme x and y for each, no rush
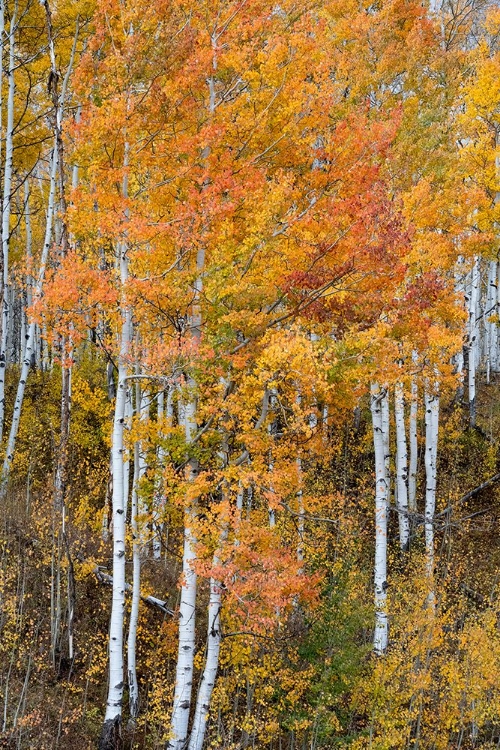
(6, 211)
(490, 320)
(431, 400)
(133, 688)
(473, 336)
(187, 609)
(401, 468)
(209, 674)
(380, 638)
(59, 101)
(136, 522)
(111, 730)
(413, 440)
(30, 343)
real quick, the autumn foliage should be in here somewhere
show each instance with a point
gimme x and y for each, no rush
(262, 218)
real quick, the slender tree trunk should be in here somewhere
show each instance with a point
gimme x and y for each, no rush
(386, 422)
(2, 35)
(30, 349)
(211, 660)
(431, 440)
(460, 289)
(6, 212)
(165, 413)
(158, 495)
(133, 687)
(401, 468)
(381, 624)
(111, 731)
(491, 321)
(412, 479)
(187, 610)
(29, 256)
(473, 344)
(137, 513)
(30, 343)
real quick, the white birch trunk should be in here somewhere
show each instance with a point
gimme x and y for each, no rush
(165, 412)
(474, 342)
(187, 610)
(30, 343)
(112, 719)
(380, 638)
(386, 421)
(497, 322)
(490, 321)
(129, 408)
(6, 211)
(136, 592)
(111, 729)
(401, 468)
(412, 479)
(431, 440)
(158, 497)
(2, 34)
(29, 255)
(211, 661)
(38, 348)
(460, 288)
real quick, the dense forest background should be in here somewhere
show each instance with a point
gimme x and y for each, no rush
(249, 374)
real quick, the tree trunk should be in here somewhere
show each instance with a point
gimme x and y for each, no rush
(431, 439)
(401, 468)
(9, 454)
(412, 479)
(473, 343)
(111, 730)
(137, 513)
(491, 322)
(6, 211)
(386, 422)
(133, 687)
(381, 626)
(187, 610)
(211, 661)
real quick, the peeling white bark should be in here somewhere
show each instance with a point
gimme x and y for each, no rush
(187, 611)
(401, 468)
(30, 343)
(136, 593)
(386, 422)
(137, 512)
(187, 608)
(6, 211)
(490, 322)
(165, 412)
(474, 336)
(209, 675)
(412, 479)
(113, 713)
(431, 441)
(380, 638)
